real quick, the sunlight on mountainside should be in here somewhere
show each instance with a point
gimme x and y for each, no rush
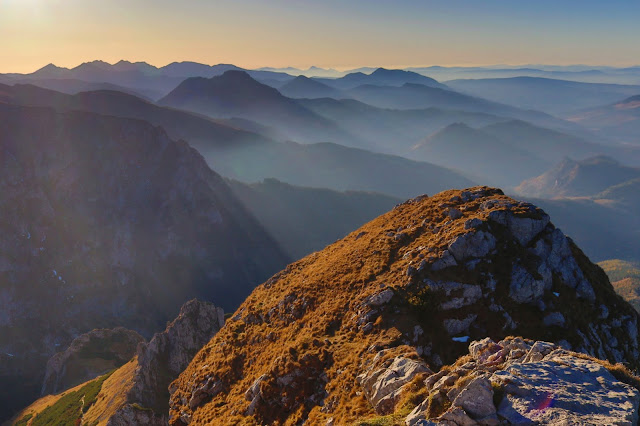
(277, 213)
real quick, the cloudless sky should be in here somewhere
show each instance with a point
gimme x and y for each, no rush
(328, 33)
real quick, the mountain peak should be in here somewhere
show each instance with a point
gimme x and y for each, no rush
(631, 99)
(237, 75)
(402, 294)
(585, 177)
(51, 67)
(386, 71)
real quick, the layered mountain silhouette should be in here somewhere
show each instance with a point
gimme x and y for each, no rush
(418, 96)
(619, 121)
(623, 194)
(236, 94)
(305, 87)
(108, 222)
(138, 77)
(381, 77)
(579, 178)
(544, 94)
(250, 157)
(178, 124)
(333, 166)
(303, 220)
(511, 151)
(480, 154)
(390, 130)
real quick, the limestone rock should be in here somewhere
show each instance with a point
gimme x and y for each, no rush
(456, 326)
(524, 287)
(472, 244)
(476, 399)
(133, 414)
(537, 383)
(565, 389)
(169, 352)
(381, 382)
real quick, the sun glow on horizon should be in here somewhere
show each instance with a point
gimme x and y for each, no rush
(328, 34)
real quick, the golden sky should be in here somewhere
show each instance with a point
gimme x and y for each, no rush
(327, 33)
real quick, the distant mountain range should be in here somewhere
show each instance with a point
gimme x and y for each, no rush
(508, 151)
(579, 178)
(619, 120)
(333, 166)
(543, 94)
(390, 130)
(380, 77)
(178, 124)
(305, 87)
(312, 71)
(418, 96)
(138, 77)
(303, 220)
(251, 157)
(236, 94)
(580, 73)
(482, 155)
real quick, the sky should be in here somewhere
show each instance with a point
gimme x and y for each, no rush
(329, 33)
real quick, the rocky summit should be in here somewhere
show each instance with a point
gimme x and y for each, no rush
(366, 327)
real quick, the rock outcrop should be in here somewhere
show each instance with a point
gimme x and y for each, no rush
(136, 393)
(345, 333)
(160, 361)
(519, 381)
(90, 355)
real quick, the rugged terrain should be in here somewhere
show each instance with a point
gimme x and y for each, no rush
(108, 222)
(90, 355)
(410, 290)
(136, 393)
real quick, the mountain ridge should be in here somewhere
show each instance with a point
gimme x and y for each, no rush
(406, 290)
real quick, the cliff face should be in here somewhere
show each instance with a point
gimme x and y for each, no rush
(144, 397)
(409, 290)
(107, 222)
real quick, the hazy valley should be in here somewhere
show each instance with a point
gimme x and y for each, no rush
(351, 257)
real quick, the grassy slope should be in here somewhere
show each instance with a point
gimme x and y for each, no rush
(66, 408)
(625, 277)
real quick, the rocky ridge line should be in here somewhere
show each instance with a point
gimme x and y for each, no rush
(520, 381)
(419, 283)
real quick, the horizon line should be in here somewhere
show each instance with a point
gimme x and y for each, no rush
(339, 68)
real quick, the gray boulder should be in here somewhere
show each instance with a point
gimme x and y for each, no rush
(562, 388)
(382, 381)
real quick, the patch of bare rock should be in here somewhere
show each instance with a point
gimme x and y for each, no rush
(163, 359)
(519, 381)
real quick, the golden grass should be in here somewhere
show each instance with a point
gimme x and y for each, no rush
(46, 401)
(618, 269)
(113, 394)
(310, 310)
